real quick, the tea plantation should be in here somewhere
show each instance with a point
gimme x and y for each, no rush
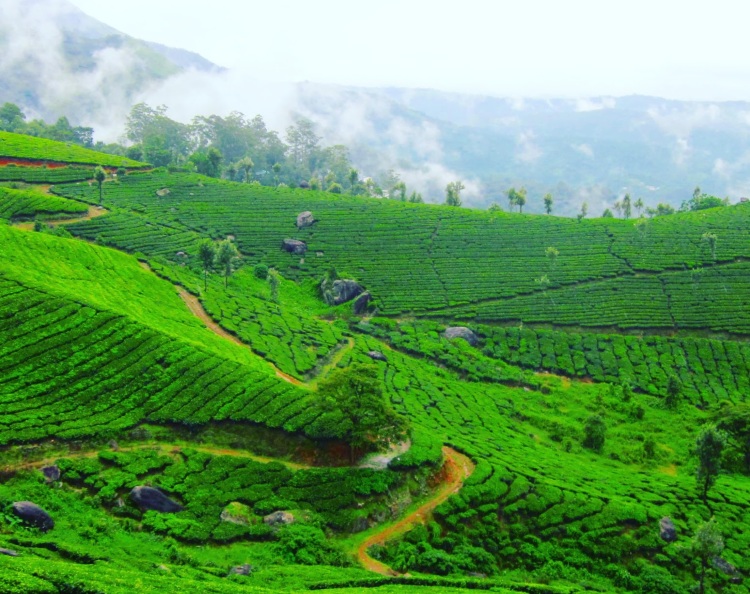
(579, 394)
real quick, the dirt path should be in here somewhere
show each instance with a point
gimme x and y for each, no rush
(92, 213)
(457, 469)
(167, 449)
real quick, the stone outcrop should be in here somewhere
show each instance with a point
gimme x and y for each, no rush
(51, 473)
(8, 552)
(461, 332)
(150, 499)
(305, 219)
(377, 356)
(32, 514)
(667, 530)
(345, 290)
(279, 518)
(362, 302)
(294, 246)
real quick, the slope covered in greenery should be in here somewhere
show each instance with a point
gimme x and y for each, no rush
(20, 146)
(583, 440)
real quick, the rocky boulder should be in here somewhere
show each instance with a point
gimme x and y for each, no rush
(245, 569)
(305, 219)
(377, 356)
(279, 518)
(148, 498)
(726, 568)
(8, 552)
(51, 473)
(163, 192)
(361, 303)
(667, 530)
(294, 246)
(32, 514)
(305, 185)
(345, 290)
(461, 332)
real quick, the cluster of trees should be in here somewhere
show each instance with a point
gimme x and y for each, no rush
(13, 119)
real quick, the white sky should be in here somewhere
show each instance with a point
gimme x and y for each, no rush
(688, 49)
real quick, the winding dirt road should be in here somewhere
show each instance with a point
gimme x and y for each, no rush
(457, 469)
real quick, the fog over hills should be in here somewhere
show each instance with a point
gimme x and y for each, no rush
(584, 149)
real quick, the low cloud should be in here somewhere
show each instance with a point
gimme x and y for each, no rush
(595, 104)
(527, 150)
(584, 149)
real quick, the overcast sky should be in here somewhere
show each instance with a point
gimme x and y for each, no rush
(683, 49)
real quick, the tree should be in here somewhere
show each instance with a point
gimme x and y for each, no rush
(707, 544)
(551, 253)
(512, 194)
(521, 199)
(100, 175)
(674, 389)
(246, 164)
(618, 207)
(453, 193)
(639, 206)
(353, 176)
(400, 191)
(276, 167)
(207, 257)
(734, 419)
(548, 202)
(709, 447)
(416, 198)
(584, 211)
(273, 282)
(357, 409)
(607, 214)
(696, 192)
(627, 206)
(335, 188)
(594, 433)
(710, 239)
(494, 207)
(226, 259)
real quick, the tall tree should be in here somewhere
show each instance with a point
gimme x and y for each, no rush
(639, 206)
(357, 409)
(594, 433)
(353, 177)
(548, 201)
(707, 545)
(512, 197)
(99, 176)
(521, 199)
(710, 239)
(246, 164)
(226, 259)
(207, 257)
(453, 193)
(627, 206)
(734, 419)
(709, 447)
(584, 211)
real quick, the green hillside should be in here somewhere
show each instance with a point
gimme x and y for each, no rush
(23, 147)
(579, 405)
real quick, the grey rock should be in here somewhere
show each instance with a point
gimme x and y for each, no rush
(461, 332)
(8, 552)
(724, 566)
(294, 246)
(148, 498)
(33, 514)
(345, 290)
(279, 518)
(51, 473)
(377, 356)
(305, 219)
(361, 303)
(113, 445)
(360, 525)
(305, 185)
(667, 530)
(163, 192)
(245, 569)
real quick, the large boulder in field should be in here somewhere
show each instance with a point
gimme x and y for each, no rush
(461, 332)
(345, 290)
(32, 514)
(377, 356)
(667, 530)
(51, 473)
(726, 568)
(148, 498)
(294, 246)
(305, 219)
(279, 518)
(8, 552)
(361, 303)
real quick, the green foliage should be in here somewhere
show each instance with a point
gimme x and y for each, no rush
(260, 271)
(20, 146)
(594, 433)
(709, 447)
(24, 205)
